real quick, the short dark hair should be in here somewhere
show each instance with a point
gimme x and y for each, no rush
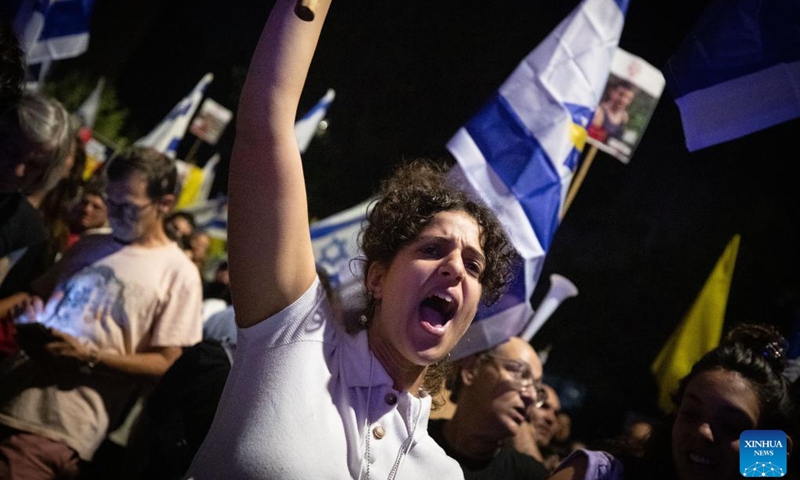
(161, 172)
(188, 216)
(95, 186)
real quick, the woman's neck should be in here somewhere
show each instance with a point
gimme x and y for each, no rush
(405, 375)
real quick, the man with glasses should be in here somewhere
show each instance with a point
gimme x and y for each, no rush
(493, 390)
(546, 425)
(121, 308)
(538, 439)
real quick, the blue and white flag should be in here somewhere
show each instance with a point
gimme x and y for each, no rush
(306, 127)
(738, 71)
(335, 243)
(53, 29)
(518, 153)
(167, 135)
(211, 216)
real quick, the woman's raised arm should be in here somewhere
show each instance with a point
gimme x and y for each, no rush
(271, 260)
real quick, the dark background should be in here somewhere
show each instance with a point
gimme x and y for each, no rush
(639, 240)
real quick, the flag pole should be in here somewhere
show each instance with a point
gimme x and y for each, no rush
(578, 180)
(105, 140)
(193, 151)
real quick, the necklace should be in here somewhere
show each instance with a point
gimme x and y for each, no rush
(404, 448)
(367, 422)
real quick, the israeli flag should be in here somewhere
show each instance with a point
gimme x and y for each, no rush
(211, 216)
(518, 153)
(167, 135)
(738, 71)
(335, 243)
(306, 127)
(53, 29)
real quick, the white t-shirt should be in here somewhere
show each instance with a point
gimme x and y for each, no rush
(128, 300)
(295, 407)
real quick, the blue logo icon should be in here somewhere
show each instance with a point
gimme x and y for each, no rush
(762, 453)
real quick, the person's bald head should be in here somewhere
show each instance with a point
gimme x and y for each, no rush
(494, 388)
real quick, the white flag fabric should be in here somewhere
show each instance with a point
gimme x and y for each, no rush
(211, 216)
(167, 135)
(518, 153)
(335, 243)
(738, 71)
(87, 112)
(306, 127)
(53, 29)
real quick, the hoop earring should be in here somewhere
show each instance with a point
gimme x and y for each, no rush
(363, 320)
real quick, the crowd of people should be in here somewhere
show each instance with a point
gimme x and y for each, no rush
(120, 357)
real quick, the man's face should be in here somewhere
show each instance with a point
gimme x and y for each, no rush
(199, 245)
(502, 387)
(90, 212)
(131, 212)
(181, 227)
(545, 418)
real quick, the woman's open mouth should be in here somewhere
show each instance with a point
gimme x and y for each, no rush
(436, 311)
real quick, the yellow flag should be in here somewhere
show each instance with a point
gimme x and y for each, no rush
(190, 190)
(699, 331)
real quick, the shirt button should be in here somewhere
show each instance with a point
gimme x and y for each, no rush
(390, 398)
(378, 432)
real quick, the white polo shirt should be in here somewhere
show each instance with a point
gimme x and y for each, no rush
(295, 407)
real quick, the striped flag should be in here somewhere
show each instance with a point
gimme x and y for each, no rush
(738, 71)
(518, 153)
(335, 243)
(211, 216)
(306, 127)
(53, 29)
(167, 135)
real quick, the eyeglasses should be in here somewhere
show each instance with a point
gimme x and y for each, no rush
(128, 210)
(522, 377)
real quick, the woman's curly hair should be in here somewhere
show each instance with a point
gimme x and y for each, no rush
(406, 204)
(408, 201)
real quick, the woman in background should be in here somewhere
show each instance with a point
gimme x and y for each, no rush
(737, 386)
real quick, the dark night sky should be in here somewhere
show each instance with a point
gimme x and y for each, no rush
(640, 239)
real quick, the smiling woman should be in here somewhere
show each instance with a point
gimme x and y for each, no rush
(736, 387)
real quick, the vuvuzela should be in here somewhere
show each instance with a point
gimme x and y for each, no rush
(560, 289)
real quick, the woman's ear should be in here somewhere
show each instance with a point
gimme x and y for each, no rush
(375, 276)
(789, 445)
